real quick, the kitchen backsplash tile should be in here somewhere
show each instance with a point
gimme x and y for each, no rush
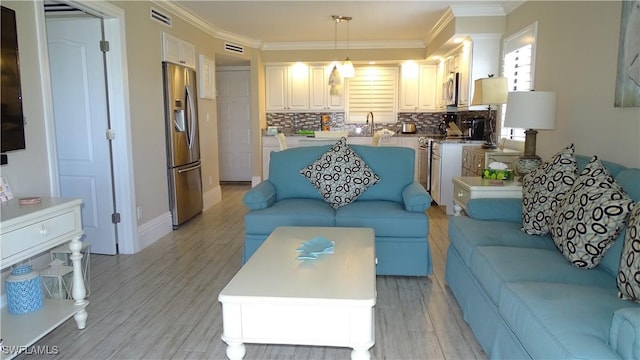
(426, 122)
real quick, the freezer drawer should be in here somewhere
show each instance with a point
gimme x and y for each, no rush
(185, 196)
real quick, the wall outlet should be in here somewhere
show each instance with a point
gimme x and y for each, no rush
(139, 212)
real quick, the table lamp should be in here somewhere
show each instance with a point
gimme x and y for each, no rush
(530, 110)
(490, 91)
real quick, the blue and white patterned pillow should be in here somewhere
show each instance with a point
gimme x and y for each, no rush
(591, 217)
(629, 273)
(544, 189)
(340, 175)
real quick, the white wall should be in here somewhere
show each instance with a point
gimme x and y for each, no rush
(577, 54)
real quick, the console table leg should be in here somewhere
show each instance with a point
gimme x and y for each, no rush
(360, 354)
(235, 350)
(78, 290)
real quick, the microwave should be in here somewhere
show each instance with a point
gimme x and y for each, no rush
(450, 89)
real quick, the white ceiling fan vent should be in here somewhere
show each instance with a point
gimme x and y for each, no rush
(238, 49)
(160, 17)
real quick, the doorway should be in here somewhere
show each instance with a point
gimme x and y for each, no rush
(72, 155)
(234, 122)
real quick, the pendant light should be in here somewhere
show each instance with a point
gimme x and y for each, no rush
(347, 66)
(334, 77)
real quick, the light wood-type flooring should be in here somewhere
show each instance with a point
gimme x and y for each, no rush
(161, 303)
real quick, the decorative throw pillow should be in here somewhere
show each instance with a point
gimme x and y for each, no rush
(544, 189)
(629, 273)
(340, 175)
(591, 217)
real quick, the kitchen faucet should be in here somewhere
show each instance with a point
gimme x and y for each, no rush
(370, 114)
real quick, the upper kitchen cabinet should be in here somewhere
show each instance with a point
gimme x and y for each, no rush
(287, 87)
(177, 51)
(418, 87)
(478, 57)
(320, 97)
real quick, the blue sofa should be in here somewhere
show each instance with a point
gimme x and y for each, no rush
(394, 207)
(523, 299)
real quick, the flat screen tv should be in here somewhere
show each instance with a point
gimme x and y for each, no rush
(11, 95)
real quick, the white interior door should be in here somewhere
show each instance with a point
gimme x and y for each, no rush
(234, 116)
(80, 117)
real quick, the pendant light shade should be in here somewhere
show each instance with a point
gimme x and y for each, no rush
(334, 77)
(347, 69)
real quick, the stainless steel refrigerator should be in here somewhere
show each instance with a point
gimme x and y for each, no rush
(183, 146)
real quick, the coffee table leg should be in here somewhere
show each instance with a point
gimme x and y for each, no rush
(235, 350)
(360, 354)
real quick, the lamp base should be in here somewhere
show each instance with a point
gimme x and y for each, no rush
(526, 164)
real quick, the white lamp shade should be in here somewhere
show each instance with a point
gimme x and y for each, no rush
(347, 69)
(490, 91)
(531, 110)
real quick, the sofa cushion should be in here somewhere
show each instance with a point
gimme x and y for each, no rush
(591, 217)
(284, 172)
(494, 265)
(387, 218)
(561, 321)
(340, 175)
(465, 234)
(624, 336)
(289, 212)
(628, 279)
(394, 165)
(544, 189)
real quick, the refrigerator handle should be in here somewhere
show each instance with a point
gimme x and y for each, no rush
(192, 116)
(189, 169)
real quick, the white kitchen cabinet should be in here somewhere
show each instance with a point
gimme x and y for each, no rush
(26, 232)
(177, 51)
(320, 97)
(412, 143)
(287, 87)
(418, 87)
(463, 68)
(445, 165)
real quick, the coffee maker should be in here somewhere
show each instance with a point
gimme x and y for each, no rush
(475, 129)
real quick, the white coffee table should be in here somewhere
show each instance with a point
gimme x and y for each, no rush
(277, 299)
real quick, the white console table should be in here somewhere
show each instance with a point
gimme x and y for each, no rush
(27, 231)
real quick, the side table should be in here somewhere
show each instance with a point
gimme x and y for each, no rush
(473, 187)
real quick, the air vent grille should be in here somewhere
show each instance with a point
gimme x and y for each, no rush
(238, 49)
(160, 17)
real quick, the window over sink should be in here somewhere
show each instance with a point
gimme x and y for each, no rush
(372, 89)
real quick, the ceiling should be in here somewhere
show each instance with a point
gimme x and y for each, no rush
(306, 23)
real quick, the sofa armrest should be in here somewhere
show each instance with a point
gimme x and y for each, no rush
(416, 198)
(261, 196)
(624, 333)
(502, 209)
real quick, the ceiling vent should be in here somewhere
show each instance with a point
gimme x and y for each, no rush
(234, 48)
(160, 17)
(53, 7)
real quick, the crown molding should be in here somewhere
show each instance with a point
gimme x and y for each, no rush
(441, 24)
(196, 21)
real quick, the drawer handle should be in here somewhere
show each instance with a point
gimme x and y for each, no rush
(460, 194)
(44, 231)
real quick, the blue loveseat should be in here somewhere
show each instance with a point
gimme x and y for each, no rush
(394, 207)
(523, 299)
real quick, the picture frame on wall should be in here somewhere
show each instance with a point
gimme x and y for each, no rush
(628, 76)
(207, 79)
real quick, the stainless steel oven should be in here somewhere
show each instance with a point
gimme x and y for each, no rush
(424, 163)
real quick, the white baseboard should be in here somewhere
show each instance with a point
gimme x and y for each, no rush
(255, 180)
(152, 230)
(211, 197)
